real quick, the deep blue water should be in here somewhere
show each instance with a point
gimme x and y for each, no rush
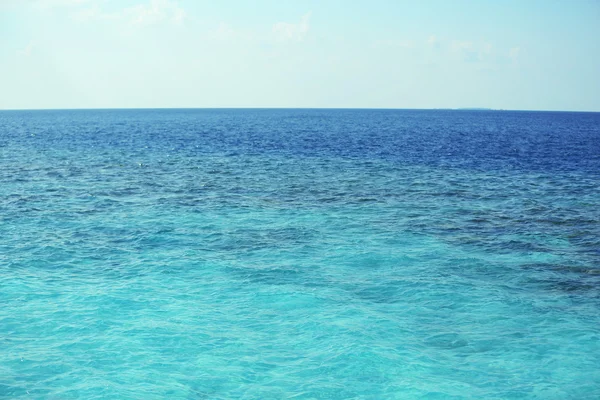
(311, 254)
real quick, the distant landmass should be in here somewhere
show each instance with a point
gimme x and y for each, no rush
(468, 109)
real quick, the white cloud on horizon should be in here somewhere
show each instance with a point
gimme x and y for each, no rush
(285, 31)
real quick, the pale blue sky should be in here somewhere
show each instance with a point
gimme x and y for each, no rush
(525, 54)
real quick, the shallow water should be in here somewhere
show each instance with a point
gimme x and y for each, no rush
(217, 254)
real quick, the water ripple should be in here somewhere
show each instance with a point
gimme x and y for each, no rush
(217, 254)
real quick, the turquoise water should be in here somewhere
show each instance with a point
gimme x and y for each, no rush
(311, 254)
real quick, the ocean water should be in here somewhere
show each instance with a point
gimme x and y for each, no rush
(306, 254)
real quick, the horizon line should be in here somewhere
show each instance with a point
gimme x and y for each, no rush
(482, 109)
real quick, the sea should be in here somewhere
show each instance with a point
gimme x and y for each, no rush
(299, 254)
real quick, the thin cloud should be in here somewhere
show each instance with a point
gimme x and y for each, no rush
(223, 32)
(49, 4)
(466, 50)
(152, 12)
(473, 52)
(487, 48)
(178, 16)
(285, 31)
(26, 51)
(91, 13)
(434, 42)
(513, 54)
(459, 46)
(396, 43)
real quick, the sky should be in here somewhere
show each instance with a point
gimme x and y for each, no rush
(501, 54)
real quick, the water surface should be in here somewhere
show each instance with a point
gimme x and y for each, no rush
(339, 254)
